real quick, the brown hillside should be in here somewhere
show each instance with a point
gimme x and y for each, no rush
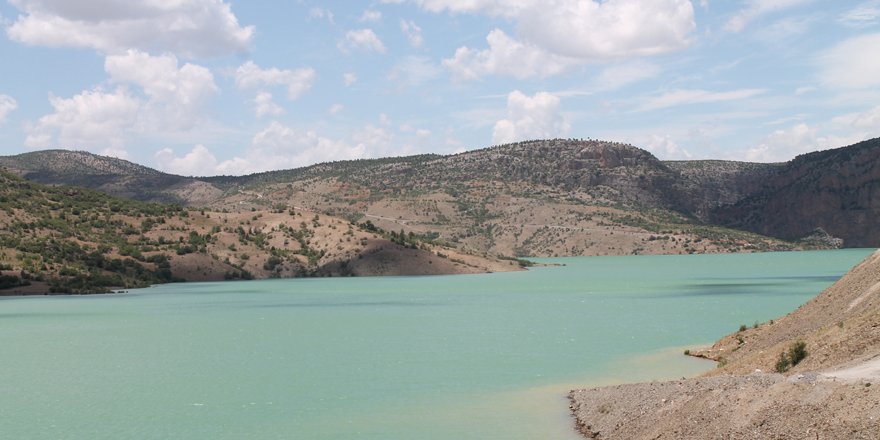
(833, 393)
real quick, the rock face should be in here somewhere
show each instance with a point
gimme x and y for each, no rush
(836, 190)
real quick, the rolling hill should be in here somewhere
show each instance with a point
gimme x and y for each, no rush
(556, 197)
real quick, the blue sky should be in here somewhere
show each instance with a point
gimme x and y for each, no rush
(204, 87)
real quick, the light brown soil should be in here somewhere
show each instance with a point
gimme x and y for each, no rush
(834, 393)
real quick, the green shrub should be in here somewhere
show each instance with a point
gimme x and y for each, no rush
(791, 357)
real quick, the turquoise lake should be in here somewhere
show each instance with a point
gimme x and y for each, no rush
(448, 357)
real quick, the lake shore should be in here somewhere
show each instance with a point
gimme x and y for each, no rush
(834, 392)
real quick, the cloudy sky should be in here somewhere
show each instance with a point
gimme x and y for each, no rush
(203, 87)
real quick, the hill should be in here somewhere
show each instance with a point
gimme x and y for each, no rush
(814, 373)
(557, 197)
(61, 239)
(113, 176)
(836, 190)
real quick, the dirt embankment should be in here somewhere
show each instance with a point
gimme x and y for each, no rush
(833, 393)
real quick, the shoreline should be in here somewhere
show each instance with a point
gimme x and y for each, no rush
(831, 392)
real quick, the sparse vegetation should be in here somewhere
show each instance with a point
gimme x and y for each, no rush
(791, 357)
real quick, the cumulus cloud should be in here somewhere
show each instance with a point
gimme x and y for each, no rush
(198, 162)
(530, 117)
(91, 120)
(7, 106)
(321, 13)
(297, 81)
(695, 96)
(349, 79)
(413, 33)
(842, 130)
(264, 105)
(784, 144)
(848, 64)
(505, 56)
(185, 27)
(756, 9)
(553, 35)
(176, 94)
(371, 15)
(361, 39)
(172, 100)
(665, 148)
(278, 146)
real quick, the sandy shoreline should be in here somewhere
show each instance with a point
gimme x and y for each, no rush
(834, 393)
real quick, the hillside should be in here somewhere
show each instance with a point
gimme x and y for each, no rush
(59, 239)
(836, 190)
(539, 198)
(110, 175)
(766, 386)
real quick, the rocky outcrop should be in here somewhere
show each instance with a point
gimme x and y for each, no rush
(836, 190)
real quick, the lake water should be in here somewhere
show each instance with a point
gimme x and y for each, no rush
(450, 357)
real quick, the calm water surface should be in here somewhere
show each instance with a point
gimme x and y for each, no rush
(453, 357)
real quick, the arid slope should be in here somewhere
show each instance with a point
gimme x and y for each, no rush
(833, 393)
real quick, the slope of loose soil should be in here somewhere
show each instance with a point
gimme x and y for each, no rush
(834, 393)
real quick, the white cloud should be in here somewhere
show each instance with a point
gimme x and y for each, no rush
(413, 71)
(695, 96)
(849, 64)
(413, 33)
(297, 81)
(863, 15)
(264, 105)
(553, 35)
(610, 29)
(198, 162)
(280, 146)
(321, 13)
(173, 100)
(868, 122)
(183, 27)
(756, 9)
(665, 148)
(371, 15)
(535, 117)
(505, 56)
(361, 39)
(91, 120)
(847, 129)
(7, 106)
(176, 95)
(277, 147)
(335, 108)
(349, 79)
(783, 145)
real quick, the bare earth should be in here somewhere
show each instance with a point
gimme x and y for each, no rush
(834, 393)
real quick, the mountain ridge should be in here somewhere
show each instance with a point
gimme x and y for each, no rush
(485, 200)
